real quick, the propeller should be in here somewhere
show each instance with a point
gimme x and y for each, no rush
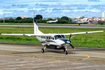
(69, 37)
(72, 46)
(70, 43)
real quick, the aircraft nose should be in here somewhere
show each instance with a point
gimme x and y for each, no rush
(66, 41)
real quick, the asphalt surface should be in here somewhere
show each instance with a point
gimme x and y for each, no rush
(29, 57)
(53, 26)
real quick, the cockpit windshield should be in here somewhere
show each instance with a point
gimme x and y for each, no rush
(59, 36)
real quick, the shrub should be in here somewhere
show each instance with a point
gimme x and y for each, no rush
(102, 23)
(62, 21)
(1, 21)
(15, 21)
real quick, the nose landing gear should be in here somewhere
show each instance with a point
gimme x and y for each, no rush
(65, 50)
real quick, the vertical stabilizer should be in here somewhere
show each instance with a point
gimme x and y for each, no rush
(36, 30)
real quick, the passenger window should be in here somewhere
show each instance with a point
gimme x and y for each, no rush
(39, 36)
(51, 38)
(47, 37)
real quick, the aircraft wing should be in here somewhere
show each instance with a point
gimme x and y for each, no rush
(82, 32)
(53, 34)
(30, 34)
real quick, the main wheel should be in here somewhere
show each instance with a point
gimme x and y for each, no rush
(42, 50)
(66, 52)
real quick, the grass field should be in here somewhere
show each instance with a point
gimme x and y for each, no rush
(96, 40)
(44, 24)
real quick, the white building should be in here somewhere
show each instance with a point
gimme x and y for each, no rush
(23, 17)
(103, 14)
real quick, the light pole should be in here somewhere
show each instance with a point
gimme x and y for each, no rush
(4, 18)
(33, 16)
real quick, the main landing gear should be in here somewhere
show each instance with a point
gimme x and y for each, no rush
(64, 49)
(66, 52)
(43, 49)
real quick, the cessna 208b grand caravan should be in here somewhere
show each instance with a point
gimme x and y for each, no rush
(53, 41)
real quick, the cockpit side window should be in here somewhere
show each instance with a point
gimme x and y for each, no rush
(63, 36)
(59, 36)
(56, 37)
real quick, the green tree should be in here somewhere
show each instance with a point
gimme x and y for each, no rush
(50, 19)
(65, 18)
(82, 17)
(102, 22)
(93, 18)
(7, 21)
(11, 20)
(15, 21)
(29, 20)
(62, 21)
(18, 18)
(70, 19)
(38, 17)
(1, 21)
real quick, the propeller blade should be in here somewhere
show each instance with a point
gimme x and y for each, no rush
(72, 46)
(69, 37)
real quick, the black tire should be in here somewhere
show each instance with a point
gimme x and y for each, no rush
(42, 50)
(66, 52)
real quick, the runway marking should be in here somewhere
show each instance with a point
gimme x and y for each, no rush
(86, 55)
(63, 59)
(48, 57)
(31, 64)
(82, 67)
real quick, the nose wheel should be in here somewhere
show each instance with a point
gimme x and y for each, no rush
(66, 52)
(42, 50)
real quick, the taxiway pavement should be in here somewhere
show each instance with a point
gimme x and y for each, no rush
(28, 57)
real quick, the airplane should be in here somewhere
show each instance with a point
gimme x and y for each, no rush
(83, 22)
(53, 41)
(49, 22)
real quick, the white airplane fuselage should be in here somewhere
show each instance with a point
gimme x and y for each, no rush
(54, 42)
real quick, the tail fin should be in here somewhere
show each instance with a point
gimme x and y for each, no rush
(36, 30)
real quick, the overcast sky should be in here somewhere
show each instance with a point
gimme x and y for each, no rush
(52, 8)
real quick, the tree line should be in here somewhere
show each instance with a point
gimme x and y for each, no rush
(39, 19)
(18, 20)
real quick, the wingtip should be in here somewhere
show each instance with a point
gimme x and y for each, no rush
(102, 30)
